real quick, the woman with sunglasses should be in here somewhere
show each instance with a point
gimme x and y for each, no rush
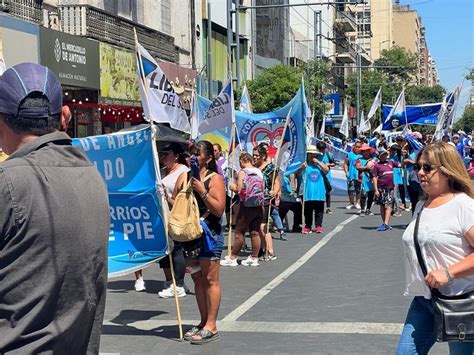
(209, 191)
(446, 240)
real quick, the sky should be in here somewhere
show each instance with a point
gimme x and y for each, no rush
(450, 35)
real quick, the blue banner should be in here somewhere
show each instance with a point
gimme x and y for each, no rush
(255, 128)
(421, 114)
(125, 161)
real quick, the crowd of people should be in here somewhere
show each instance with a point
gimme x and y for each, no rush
(44, 170)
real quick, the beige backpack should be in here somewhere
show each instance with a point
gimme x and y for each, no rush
(184, 224)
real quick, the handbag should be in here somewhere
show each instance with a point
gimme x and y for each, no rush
(327, 184)
(453, 315)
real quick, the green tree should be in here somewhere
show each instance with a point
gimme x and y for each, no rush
(418, 94)
(317, 86)
(466, 122)
(397, 64)
(273, 88)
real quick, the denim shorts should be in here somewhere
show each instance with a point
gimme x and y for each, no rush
(216, 252)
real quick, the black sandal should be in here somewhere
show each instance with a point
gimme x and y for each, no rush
(192, 332)
(206, 337)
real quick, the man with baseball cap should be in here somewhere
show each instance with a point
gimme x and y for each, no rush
(54, 223)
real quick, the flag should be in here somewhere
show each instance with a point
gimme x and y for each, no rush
(309, 129)
(398, 111)
(451, 106)
(446, 114)
(194, 116)
(344, 129)
(375, 105)
(220, 113)
(159, 100)
(245, 105)
(364, 124)
(323, 127)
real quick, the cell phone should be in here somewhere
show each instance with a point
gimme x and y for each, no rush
(195, 168)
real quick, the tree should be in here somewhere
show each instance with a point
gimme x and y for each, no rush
(317, 86)
(273, 88)
(397, 64)
(466, 122)
(418, 95)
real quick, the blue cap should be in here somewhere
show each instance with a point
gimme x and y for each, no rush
(19, 81)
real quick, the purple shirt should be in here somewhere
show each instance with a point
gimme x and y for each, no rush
(219, 164)
(384, 173)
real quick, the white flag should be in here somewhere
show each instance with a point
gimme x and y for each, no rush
(398, 110)
(245, 105)
(344, 129)
(160, 102)
(323, 127)
(446, 114)
(364, 124)
(221, 112)
(375, 105)
(194, 116)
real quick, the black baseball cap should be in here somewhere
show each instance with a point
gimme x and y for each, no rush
(21, 80)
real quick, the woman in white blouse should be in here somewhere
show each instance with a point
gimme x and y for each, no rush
(446, 238)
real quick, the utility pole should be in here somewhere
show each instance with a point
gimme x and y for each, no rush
(209, 52)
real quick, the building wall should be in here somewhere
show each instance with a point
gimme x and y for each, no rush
(406, 29)
(381, 16)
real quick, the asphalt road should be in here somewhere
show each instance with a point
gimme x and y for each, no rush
(336, 293)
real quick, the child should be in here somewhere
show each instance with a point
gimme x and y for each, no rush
(383, 187)
(314, 190)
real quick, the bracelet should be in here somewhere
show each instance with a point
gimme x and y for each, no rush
(205, 195)
(449, 276)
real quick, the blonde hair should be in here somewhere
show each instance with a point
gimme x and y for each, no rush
(245, 158)
(446, 157)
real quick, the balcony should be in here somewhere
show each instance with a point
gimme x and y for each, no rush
(88, 21)
(28, 10)
(345, 21)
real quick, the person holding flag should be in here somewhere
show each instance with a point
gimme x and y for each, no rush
(353, 183)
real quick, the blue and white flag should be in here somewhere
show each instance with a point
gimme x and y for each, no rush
(160, 102)
(446, 114)
(364, 124)
(221, 112)
(194, 116)
(245, 105)
(344, 129)
(125, 161)
(419, 114)
(398, 111)
(375, 105)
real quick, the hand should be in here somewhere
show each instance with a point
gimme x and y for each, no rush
(233, 186)
(377, 193)
(272, 193)
(436, 278)
(198, 186)
(304, 165)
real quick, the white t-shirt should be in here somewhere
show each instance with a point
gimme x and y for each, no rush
(255, 171)
(169, 181)
(442, 243)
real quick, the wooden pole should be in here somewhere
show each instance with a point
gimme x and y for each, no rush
(163, 202)
(232, 144)
(287, 121)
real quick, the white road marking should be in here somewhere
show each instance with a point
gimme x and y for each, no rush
(281, 327)
(265, 290)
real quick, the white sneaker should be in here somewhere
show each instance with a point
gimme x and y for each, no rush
(357, 206)
(350, 207)
(140, 285)
(227, 261)
(250, 261)
(169, 292)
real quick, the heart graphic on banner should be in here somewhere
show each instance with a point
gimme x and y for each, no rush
(265, 135)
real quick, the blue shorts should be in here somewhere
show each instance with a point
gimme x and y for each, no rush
(216, 252)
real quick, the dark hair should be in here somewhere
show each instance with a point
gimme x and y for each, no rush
(218, 146)
(261, 150)
(321, 146)
(37, 126)
(207, 149)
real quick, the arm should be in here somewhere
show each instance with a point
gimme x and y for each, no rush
(237, 187)
(346, 166)
(214, 198)
(438, 278)
(323, 166)
(359, 166)
(376, 185)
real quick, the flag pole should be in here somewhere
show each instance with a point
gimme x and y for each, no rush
(287, 121)
(232, 144)
(160, 189)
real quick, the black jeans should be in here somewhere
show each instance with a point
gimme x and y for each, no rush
(297, 213)
(366, 196)
(414, 191)
(179, 264)
(328, 200)
(316, 207)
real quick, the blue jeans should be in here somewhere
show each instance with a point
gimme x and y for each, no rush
(276, 219)
(418, 334)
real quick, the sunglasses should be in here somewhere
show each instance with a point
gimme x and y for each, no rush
(256, 156)
(427, 168)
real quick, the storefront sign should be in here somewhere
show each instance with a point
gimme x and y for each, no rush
(75, 60)
(118, 76)
(182, 79)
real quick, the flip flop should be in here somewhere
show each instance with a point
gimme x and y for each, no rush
(206, 337)
(192, 332)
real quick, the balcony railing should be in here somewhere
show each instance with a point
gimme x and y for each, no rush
(346, 21)
(88, 21)
(28, 10)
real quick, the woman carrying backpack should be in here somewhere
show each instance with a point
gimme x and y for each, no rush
(209, 191)
(250, 188)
